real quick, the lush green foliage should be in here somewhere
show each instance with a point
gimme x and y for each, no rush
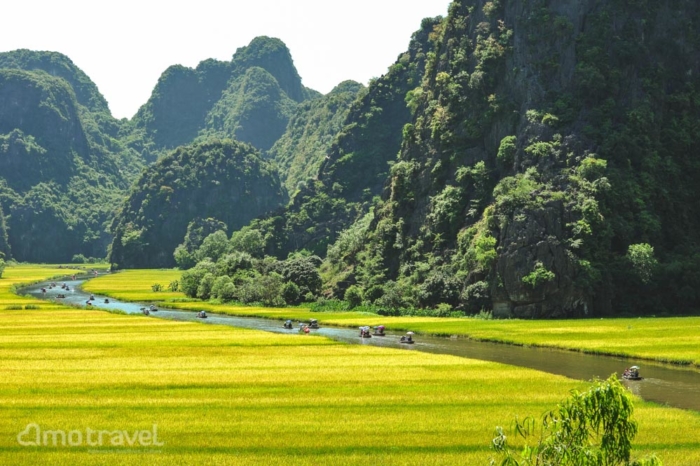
(223, 180)
(534, 188)
(592, 428)
(62, 167)
(355, 168)
(250, 98)
(300, 151)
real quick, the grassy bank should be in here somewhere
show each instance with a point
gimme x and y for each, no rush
(662, 339)
(222, 395)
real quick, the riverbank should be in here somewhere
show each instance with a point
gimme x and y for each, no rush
(227, 395)
(673, 340)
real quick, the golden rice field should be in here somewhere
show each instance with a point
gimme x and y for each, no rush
(220, 395)
(662, 339)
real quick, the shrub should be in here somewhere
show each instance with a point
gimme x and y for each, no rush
(205, 286)
(538, 276)
(303, 271)
(183, 258)
(31, 307)
(213, 247)
(174, 286)
(3, 264)
(353, 296)
(189, 282)
(374, 293)
(641, 256)
(157, 287)
(590, 428)
(248, 241)
(506, 151)
(79, 259)
(291, 293)
(219, 285)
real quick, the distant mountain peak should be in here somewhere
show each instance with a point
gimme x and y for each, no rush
(272, 55)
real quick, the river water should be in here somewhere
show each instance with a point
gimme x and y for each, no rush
(666, 384)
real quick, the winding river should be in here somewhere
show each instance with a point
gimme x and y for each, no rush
(665, 384)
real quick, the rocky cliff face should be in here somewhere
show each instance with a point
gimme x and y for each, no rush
(548, 138)
(355, 166)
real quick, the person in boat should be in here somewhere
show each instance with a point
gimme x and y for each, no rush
(306, 330)
(106, 301)
(288, 324)
(92, 297)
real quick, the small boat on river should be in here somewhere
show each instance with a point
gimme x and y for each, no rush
(632, 373)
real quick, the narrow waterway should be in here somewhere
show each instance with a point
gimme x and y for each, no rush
(666, 384)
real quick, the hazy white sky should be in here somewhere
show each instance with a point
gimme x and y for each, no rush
(125, 45)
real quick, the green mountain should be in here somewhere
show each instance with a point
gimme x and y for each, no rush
(549, 168)
(62, 168)
(250, 98)
(355, 167)
(310, 133)
(223, 180)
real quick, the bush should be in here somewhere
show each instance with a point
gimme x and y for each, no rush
(3, 264)
(218, 286)
(248, 241)
(374, 293)
(213, 247)
(538, 276)
(79, 259)
(303, 271)
(157, 287)
(174, 286)
(205, 286)
(590, 428)
(265, 289)
(291, 293)
(506, 151)
(353, 296)
(183, 258)
(189, 282)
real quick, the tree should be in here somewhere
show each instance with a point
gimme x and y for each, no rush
(213, 247)
(248, 240)
(643, 262)
(593, 428)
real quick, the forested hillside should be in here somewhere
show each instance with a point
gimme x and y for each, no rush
(530, 158)
(251, 98)
(550, 168)
(62, 167)
(223, 180)
(356, 164)
(310, 133)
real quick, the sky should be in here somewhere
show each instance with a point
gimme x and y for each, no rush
(124, 46)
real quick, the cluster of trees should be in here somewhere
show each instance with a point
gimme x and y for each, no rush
(234, 269)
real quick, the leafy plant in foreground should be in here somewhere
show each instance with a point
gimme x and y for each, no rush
(594, 428)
